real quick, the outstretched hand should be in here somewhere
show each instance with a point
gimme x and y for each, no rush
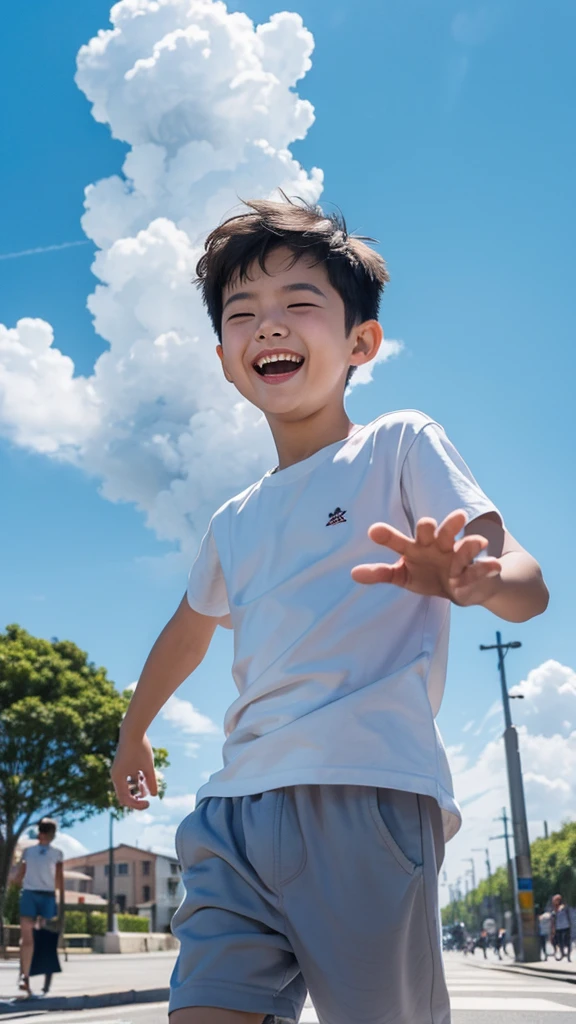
(434, 563)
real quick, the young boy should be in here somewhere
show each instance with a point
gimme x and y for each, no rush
(312, 857)
(40, 873)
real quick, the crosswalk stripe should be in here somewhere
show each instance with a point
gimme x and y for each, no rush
(548, 989)
(487, 1003)
(484, 1004)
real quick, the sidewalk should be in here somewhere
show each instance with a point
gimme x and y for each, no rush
(558, 970)
(92, 980)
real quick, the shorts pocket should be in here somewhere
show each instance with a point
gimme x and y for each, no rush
(407, 865)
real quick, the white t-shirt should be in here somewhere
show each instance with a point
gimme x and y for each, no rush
(339, 682)
(41, 861)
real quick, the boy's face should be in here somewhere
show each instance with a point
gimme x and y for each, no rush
(296, 313)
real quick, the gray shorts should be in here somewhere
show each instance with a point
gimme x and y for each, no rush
(333, 889)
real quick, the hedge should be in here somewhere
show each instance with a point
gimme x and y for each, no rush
(133, 923)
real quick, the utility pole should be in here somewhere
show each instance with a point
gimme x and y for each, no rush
(486, 852)
(472, 870)
(506, 836)
(111, 876)
(528, 947)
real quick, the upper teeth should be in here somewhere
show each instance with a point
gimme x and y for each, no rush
(284, 356)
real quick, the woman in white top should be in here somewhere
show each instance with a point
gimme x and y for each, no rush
(560, 927)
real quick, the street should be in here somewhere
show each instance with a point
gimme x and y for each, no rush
(478, 995)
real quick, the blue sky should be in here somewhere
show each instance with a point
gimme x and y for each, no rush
(443, 130)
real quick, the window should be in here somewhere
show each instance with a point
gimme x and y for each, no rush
(174, 869)
(145, 893)
(145, 867)
(119, 869)
(172, 886)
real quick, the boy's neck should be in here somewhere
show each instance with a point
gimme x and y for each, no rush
(300, 439)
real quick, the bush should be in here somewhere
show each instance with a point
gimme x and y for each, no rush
(97, 923)
(12, 904)
(75, 922)
(133, 923)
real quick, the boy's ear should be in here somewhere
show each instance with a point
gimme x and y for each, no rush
(368, 338)
(220, 354)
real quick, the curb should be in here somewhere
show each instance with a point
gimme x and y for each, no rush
(95, 1002)
(529, 970)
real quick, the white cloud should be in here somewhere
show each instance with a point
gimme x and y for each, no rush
(548, 755)
(549, 703)
(182, 804)
(70, 846)
(207, 103)
(187, 718)
(364, 374)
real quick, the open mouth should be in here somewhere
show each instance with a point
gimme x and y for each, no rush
(278, 366)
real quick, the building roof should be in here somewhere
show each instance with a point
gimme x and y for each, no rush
(123, 846)
(83, 898)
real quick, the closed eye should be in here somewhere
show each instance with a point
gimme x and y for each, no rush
(293, 305)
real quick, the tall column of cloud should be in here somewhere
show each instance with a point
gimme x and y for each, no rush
(206, 102)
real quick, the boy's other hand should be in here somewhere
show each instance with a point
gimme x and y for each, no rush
(434, 563)
(133, 772)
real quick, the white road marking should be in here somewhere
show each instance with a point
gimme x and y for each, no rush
(549, 989)
(486, 1003)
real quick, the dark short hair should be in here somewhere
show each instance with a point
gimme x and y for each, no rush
(355, 271)
(47, 826)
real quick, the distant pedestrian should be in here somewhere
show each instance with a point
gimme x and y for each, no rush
(500, 942)
(39, 873)
(560, 927)
(543, 934)
(483, 942)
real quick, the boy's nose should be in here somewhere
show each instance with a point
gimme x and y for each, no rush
(271, 329)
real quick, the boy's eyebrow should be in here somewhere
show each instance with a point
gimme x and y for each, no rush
(303, 286)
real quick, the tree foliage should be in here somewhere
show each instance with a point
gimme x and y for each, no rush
(553, 870)
(59, 722)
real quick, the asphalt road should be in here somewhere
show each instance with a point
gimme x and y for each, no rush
(478, 996)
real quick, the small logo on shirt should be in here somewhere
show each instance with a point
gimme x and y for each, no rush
(337, 516)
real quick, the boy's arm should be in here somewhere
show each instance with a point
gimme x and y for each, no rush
(178, 650)
(519, 591)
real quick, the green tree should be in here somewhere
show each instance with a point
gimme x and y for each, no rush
(59, 722)
(553, 870)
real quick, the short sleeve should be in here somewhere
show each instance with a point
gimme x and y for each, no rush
(60, 856)
(436, 481)
(206, 585)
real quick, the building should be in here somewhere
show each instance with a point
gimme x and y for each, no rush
(145, 883)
